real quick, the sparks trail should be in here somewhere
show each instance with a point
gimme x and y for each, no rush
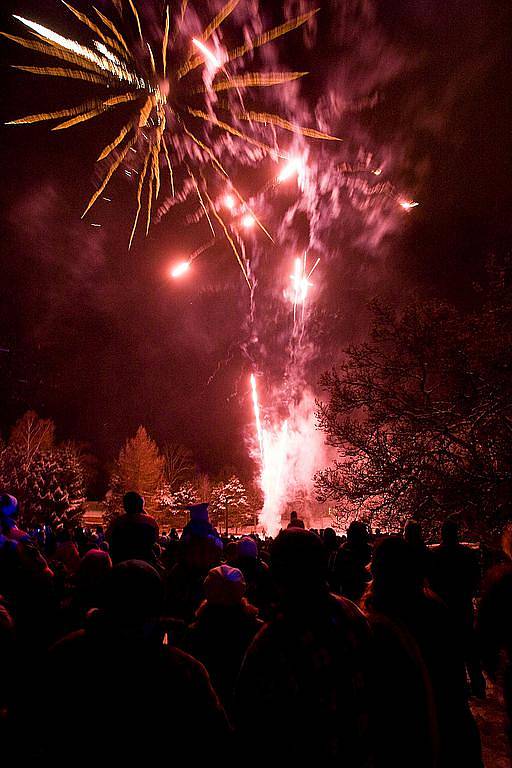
(167, 86)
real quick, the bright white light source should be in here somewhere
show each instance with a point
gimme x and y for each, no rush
(180, 269)
(229, 202)
(408, 204)
(293, 167)
(248, 221)
(209, 56)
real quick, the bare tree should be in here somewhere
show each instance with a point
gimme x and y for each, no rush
(178, 465)
(421, 417)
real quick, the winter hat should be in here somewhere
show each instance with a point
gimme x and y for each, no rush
(224, 586)
(247, 548)
(199, 525)
(8, 505)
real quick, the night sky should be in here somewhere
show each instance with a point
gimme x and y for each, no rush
(102, 340)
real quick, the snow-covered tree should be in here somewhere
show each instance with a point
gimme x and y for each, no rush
(229, 506)
(48, 480)
(168, 502)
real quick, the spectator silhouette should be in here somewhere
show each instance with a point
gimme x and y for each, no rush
(26, 580)
(149, 688)
(494, 624)
(9, 512)
(259, 591)
(87, 591)
(454, 574)
(295, 521)
(200, 549)
(302, 683)
(351, 575)
(427, 686)
(413, 535)
(224, 627)
(134, 534)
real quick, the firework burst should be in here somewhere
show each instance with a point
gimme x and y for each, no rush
(170, 89)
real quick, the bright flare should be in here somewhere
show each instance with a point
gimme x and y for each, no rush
(229, 202)
(209, 56)
(257, 418)
(180, 269)
(408, 204)
(294, 167)
(248, 221)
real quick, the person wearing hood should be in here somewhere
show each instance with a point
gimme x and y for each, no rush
(224, 627)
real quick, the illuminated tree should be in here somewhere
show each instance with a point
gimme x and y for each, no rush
(47, 479)
(139, 467)
(168, 502)
(421, 416)
(229, 506)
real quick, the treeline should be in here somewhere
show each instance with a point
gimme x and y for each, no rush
(50, 479)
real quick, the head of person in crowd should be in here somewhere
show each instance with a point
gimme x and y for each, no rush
(413, 533)
(299, 568)
(132, 600)
(224, 587)
(90, 578)
(229, 551)
(358, 535)
(200, 545)
(295, 521)
(450, 532)
(330, 539)
(396, 578)
(133, 503)
(246, 549)
(9, 511)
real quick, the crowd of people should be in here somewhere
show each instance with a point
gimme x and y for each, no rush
(131, 644)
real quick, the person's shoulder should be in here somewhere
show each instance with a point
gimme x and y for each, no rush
(348, 609)
(181, 665)
(68, 644)
(146, 519)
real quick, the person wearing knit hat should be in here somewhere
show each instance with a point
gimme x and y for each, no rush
(200, 549)
(9, 510)
(224, 627)
(247, 547)
(224, 585)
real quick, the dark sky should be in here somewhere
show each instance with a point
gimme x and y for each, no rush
(100, 339)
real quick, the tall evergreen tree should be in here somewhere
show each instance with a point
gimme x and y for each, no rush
(139, 467)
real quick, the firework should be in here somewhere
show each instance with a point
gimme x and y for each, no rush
(294, 167)
(408, 205)
(180, 269)
(300, 284)
(257, 419)
(208, 55)
(229, 202)
(161, 86)
(248, 221)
